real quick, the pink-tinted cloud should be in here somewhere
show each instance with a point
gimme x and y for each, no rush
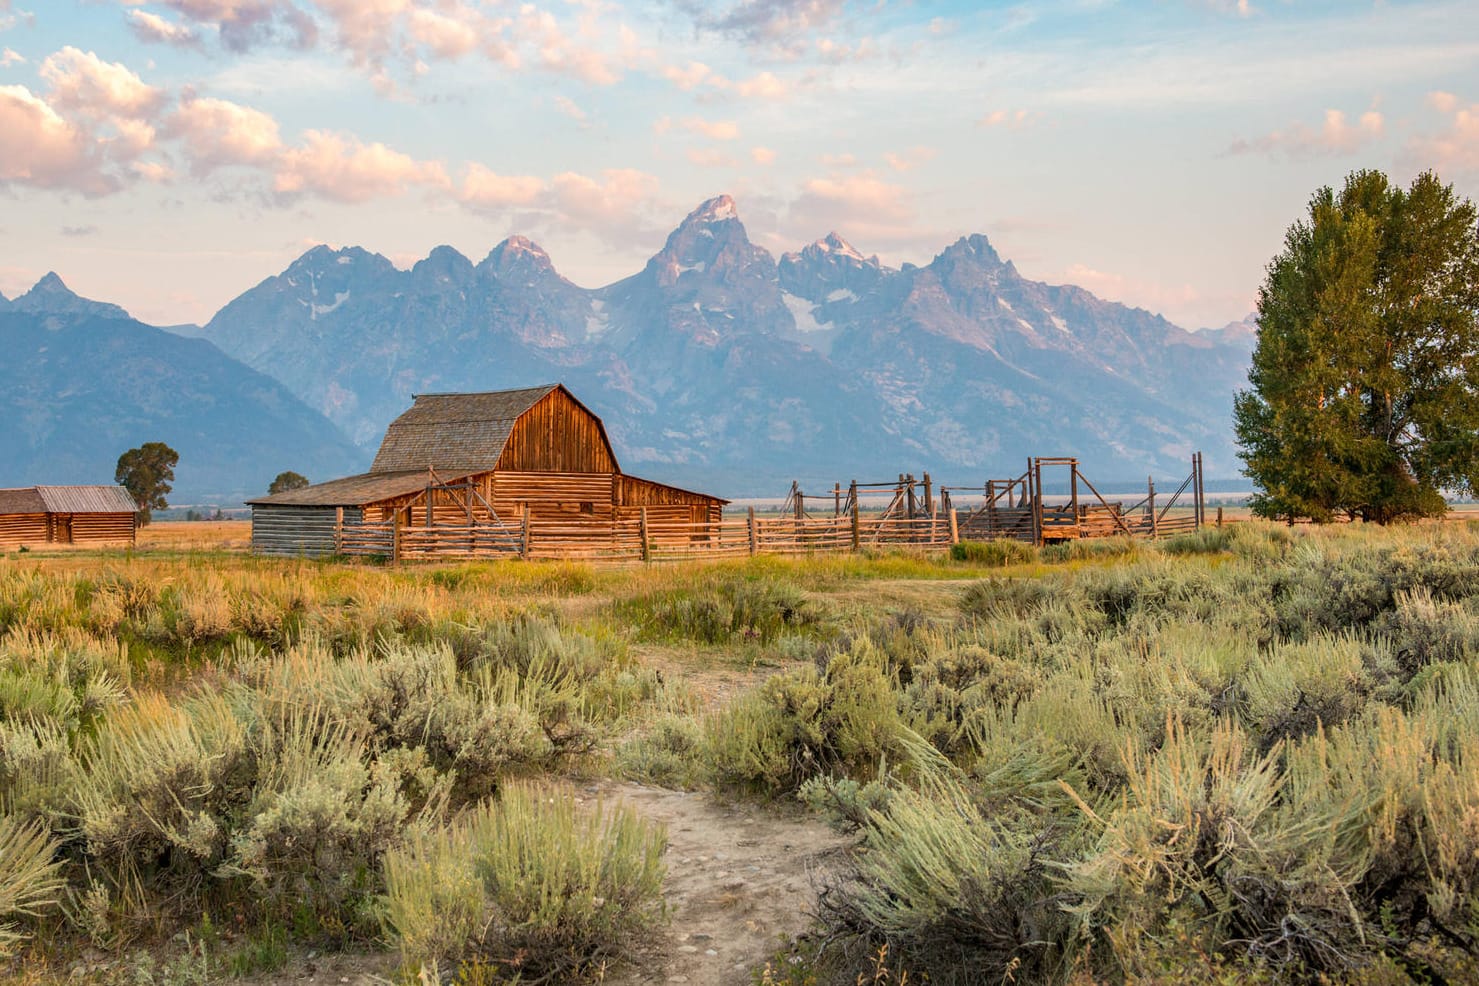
(763, 86)
(81, 82)
(483, 189)
(762, 155)
(910, 159)
(339, 167)
(243, 24)
(709, 157)
(613, 207)
(153, 29)
(568, 107)
(1454, 150)
(862, 203)
(1336, 135)
(9, 57)
(218, 133)
(39, 147)
(1005, 118)
(713, 129)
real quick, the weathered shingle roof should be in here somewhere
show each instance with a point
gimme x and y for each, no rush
(67, 500)
(463, 432)
(356, 491)
(23, 501)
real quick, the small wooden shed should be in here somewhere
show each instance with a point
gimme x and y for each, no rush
(480, 459)
(67, 515)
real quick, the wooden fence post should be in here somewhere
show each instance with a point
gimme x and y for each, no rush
(929, 497)
(754, 534)
(395, 539)
(1155, 524)
(1219, 516)
(857, 540)
(642, 530)
(524, 532)
(954, 527)
(338, 530)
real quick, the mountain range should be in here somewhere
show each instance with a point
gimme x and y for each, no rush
(721, 367)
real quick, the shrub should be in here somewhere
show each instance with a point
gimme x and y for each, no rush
(995, 554)
(1204, 541)
(840, 719)
(528, 886)
(30, 877)
(669, 753)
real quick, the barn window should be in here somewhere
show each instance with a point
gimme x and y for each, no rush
(587, 507)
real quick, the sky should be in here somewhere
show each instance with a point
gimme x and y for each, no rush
(167, 155)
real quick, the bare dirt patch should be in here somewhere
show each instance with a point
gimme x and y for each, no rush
(741, 880)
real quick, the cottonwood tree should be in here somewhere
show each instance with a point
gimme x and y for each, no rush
(1364, 390)
(287, 481)
(147, 472)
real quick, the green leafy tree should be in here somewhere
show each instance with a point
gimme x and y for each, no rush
(147, 472)
(1364, 390)
(287, 481)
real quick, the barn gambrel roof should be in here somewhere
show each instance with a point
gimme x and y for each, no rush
(461, 432)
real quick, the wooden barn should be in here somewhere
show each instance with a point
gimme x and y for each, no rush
(37, 515)
(491, 461)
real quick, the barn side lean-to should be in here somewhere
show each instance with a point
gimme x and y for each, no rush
(474, 466)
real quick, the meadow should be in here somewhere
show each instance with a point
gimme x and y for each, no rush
(1247, 755)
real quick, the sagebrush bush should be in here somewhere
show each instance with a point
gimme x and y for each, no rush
(31, 881)
(527, 886)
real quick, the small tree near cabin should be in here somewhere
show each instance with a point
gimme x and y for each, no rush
(287, 481)
(1364, 389)
(147, 472)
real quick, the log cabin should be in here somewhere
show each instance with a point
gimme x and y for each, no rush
(41, 515)
(480, 460)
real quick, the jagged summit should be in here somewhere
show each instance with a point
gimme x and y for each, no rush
(714, 210)
(835, 244)
(516, 253)
(51, 296)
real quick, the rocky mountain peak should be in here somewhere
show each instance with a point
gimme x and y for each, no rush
(51, 296)
(975, 249)
(516, 255)
(714, 210)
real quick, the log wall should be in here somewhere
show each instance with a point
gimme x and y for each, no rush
(103, 528)
(18, 529)
(306, 532)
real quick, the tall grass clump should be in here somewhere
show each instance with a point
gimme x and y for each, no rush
(993, 554)
(31, 881)
(529, 887)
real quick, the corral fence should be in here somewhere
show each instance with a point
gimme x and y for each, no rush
(902, 513)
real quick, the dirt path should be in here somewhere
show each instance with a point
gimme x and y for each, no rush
(740, 880)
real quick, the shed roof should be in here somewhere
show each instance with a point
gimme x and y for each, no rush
(87, 499)
(455, 431)
(356, 491)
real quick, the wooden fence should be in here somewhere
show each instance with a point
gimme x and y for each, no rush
(634, 539)
(1013, 509)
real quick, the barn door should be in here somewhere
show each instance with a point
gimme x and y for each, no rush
(64, 528)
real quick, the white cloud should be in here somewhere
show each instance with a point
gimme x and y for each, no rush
(8, 57)
(862, 203)
(763, 86)
(612, 207)
(1336, 135)
(762, 155)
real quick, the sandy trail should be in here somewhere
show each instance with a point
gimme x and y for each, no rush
(740, 881)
